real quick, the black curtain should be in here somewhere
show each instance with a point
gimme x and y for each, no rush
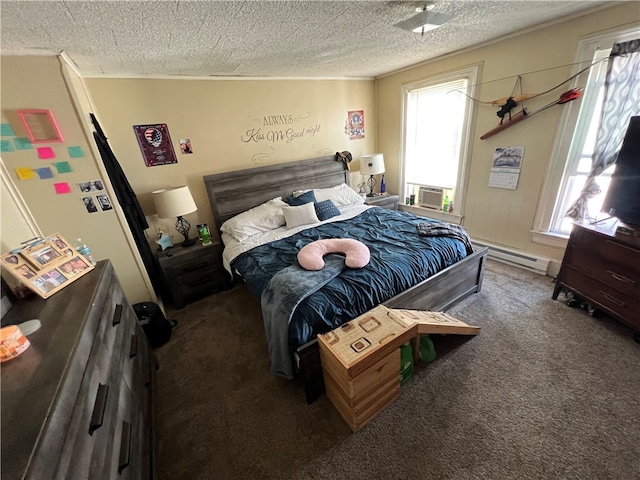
(126, 197)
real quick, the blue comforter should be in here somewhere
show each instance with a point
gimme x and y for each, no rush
(400, 258)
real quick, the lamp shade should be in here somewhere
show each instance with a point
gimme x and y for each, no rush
(173, 202)
(372, 164)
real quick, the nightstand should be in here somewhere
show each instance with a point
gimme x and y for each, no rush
(193, 272)
(386, 200)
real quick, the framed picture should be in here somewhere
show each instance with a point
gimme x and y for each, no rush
(46, 265)
(40, 125)
(155, 144)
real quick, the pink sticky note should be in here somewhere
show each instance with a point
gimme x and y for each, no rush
(62, 188)
(46, 152)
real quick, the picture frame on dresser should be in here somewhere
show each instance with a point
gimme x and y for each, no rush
(46, 265)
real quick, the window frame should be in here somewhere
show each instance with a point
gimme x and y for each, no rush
(471, 74)
(556, 180)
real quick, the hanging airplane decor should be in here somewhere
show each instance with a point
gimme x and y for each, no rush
(522, 114)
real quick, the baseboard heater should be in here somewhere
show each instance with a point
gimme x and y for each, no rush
(513, 257)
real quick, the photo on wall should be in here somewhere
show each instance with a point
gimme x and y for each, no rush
(104, 202)
(89, 204)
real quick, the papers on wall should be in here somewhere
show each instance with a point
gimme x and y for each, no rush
(505, 169)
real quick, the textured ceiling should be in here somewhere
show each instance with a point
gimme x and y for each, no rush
(258, 38)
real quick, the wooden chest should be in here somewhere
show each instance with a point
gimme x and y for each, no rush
(361, 364)
(361, 359)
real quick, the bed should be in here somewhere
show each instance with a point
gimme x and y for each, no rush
(453, 270)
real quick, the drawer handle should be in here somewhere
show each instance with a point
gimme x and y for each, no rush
(613, 299)
(117, 315)
(621, 278)
(200, 282)
(98, 408)
(195, 267)
(133, 350)
(125, 447)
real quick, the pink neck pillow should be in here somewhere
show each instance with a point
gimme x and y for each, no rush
(310, 256)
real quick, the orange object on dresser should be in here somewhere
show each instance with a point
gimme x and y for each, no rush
(12, 343)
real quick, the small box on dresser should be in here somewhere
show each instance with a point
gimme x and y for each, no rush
(603, 269)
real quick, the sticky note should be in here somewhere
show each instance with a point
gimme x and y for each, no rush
(22, 143)
(62, 188)
(62, 167)
(75, 152)
(25, 173)
(44, 172)
(5, 146)
(6, 130)
(45, 153)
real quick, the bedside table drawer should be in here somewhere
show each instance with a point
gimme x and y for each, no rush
(185, 271)
(192, 272)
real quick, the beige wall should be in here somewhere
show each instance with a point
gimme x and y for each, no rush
(216, 115)
(38, 82)
(500, 216)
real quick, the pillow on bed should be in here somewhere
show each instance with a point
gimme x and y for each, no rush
(260, 219)
(341, 195)
(306, 197)
(300, 215)
(325, 210)
(310, 257)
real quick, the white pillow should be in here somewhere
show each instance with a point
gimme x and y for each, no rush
(300, 215)
(341, 195)
(260, 219)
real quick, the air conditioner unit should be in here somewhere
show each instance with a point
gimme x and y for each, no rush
(432, 197)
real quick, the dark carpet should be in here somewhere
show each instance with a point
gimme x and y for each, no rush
(544, 392)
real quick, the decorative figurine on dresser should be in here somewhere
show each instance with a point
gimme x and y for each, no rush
(79, 402)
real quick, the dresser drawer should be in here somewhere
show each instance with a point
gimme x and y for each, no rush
(613, 274)
(610, 253)
(621, 305)
(89, 435)
(136, 365)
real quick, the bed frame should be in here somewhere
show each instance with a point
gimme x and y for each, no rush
(232, 193)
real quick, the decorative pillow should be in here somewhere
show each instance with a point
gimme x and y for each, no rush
(260, 219)
(341, 195)
(310, 256)
(306, 197)
(325, 210)
(300, 215)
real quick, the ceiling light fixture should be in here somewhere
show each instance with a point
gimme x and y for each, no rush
(424, 20)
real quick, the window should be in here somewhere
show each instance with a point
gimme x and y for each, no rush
(436, 118)
(571, 159)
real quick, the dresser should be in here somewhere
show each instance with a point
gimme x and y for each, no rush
(602, 267)
(386, 200)
(79, 402)
(192, 272)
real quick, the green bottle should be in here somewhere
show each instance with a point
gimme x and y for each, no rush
(445, 206)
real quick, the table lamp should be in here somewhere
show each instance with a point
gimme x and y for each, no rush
(372, 164)
(176, 202)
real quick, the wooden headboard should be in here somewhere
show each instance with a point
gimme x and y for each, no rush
(232, 193)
